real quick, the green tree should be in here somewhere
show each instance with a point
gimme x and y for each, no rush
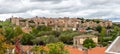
(6, 23)
(67, 36)
(39, 40)
(39, 50)
(2, 49)
(56, 33)
(18, 31)
(44, 28)
(3, 45)
(52, 39)
(99, 28)
(66, 39)
(45, 40)
(89, 43)
(57, 48)
(27, 39)
(8, 32)
(52, 48)
(34, 32)
(102, 34)
(88, 28)
(115, 32)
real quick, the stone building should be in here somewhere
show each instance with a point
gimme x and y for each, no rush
(78, 40)
(64, 23)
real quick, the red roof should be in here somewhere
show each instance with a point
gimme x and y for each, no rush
(73, 50)
(96, 50)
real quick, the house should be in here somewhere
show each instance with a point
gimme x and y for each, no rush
(78, 40)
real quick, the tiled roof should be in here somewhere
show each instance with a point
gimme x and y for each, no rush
(73, 50)
(96, 50)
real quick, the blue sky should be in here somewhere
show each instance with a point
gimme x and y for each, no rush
(113, 19)
(101, 9)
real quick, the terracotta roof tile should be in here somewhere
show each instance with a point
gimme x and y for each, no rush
(97, 50)
(72, 50)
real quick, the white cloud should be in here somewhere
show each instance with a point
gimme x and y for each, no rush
(60, 8)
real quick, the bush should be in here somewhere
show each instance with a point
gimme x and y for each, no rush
(104, 44)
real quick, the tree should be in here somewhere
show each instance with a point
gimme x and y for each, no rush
(115, 32)
(88, 28)
(39, 40)
(3, 45)
(43, 40)
(6, 23)
(66, 39)
(27, 39)
(99, 28)
(8, 32)
(34, 31)
(67, 36)
(57, 48)
(18, 31)
(44, 28)
(52, 48)
(41, 31)
(89, 43)
(97, 21)
(102, 34)
(52, 39)
(56, 33)
(39, 50)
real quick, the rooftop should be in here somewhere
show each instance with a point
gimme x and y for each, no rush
(96, 50)
(114, 48)
(73, 50)
(82, 36)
